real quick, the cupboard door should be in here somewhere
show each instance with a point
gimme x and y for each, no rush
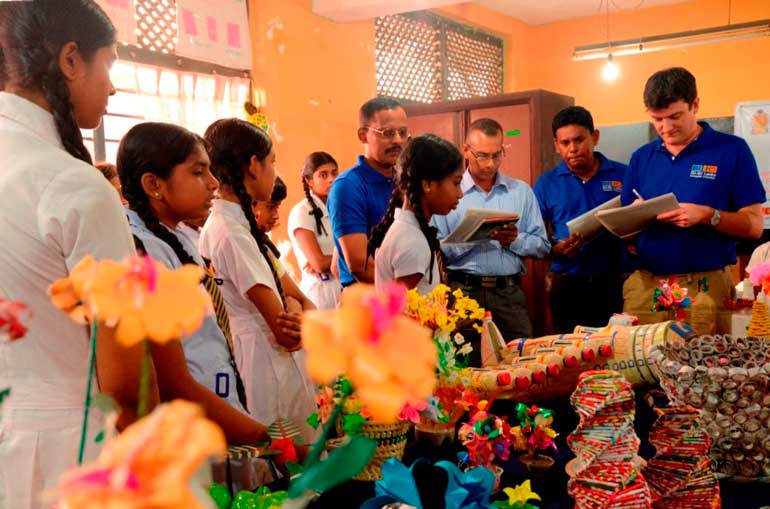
(515, 120)
(446, 125)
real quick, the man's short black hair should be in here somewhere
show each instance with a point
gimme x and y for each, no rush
(487, 126)
(573, 115)
(372, 106)
(669, 86)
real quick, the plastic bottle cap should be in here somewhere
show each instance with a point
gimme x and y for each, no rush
(588, 355)
(503, 378)
(570, 361)
(522, 382)
(538, 377)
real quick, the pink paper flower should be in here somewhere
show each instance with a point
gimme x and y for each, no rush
(411, 411)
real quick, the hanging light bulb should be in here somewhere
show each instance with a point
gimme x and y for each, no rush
(611, 71)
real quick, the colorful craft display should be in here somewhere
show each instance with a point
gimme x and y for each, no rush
(549, 366)
(759, 275)
(670, 296)
(728, 380)
(606, 473)
(256, 116)
(148, 465)
(680, 475)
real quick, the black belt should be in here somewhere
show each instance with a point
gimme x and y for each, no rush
(484, 281)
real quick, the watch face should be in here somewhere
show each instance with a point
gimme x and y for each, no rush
(715, 218)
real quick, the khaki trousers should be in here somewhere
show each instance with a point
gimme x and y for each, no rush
(707, 313)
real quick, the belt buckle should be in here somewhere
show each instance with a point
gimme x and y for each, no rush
(488, 282)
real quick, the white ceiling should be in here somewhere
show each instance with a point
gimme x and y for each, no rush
(538, 12)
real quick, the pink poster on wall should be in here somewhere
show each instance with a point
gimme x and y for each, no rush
(216, 32)
(121, 13)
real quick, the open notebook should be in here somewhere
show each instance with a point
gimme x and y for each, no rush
(477, 224)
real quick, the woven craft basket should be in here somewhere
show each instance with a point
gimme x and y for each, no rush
(728, 380)
(391, 441)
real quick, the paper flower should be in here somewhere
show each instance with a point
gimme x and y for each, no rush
(387, 365)
(149, 465)
(519, 497)
(486, 437)
(534, 427)
(287, 450)
(443, 310)
(669, 295)
(759, 275)
(11, 327)
(411, 411)
(140, 296)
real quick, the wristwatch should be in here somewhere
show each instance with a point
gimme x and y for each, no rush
(716, 217)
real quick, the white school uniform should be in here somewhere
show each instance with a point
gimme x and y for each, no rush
(54, 210)
(405, 251)
(322, 289)
(206, 352)
(276, 382)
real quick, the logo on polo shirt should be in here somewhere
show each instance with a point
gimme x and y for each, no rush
(704, 171)
(612, 185)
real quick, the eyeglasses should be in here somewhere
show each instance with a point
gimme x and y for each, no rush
(389, 133)
(483, 157)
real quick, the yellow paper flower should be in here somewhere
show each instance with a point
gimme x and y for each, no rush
(389, 358)
(141, 297)
(521, 494)
(149, 465)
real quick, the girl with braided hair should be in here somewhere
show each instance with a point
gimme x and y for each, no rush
(166, 178)
(55, 57)
(263, 303)
(404, 245)
(310, 231)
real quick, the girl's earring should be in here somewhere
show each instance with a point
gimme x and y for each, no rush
(157, 195)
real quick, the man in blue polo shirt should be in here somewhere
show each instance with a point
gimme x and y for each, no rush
(714, 176)
(359, 197)
(586, 274)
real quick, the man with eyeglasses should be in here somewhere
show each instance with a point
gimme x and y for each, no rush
(586, 274)
(359, 197)
(490, 272)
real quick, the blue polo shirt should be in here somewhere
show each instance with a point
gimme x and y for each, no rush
(357, 202)
(563, 196)
(717, 170)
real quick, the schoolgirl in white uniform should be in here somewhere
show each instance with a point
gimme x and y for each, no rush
(165, 174)
(310, 231)
(263, 303)
(404, 245)
(56, 209)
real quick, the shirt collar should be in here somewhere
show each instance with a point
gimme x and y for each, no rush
(31, 116)
(500, 180)
(705, 137)
(138, 223)
(405, 216)
(605, 165)
(231, 210)
(370, 175)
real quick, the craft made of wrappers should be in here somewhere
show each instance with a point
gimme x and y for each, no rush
(606, 472)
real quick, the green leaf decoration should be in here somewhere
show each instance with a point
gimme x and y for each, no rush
(353, 424)
(343, 464)
(314, 421)
(220, 496)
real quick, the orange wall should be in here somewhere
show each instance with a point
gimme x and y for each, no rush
(313, 75)
(727, 72)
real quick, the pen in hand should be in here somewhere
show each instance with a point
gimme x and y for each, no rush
(636, 193)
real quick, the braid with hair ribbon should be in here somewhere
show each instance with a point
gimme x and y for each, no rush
(315, 211)
(263, 242)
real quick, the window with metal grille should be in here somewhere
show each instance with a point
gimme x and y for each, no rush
(156, 28)
(423, 57)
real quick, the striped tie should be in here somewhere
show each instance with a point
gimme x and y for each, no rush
(212, 287)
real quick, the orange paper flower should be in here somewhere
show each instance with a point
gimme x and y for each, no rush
(141, 297)
(389, 358)
(149, 465)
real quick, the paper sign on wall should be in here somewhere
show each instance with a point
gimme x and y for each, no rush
(752, 123)
(216, 32)
(122, 15)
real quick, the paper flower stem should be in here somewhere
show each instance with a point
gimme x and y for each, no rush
(144, 381)
(320, 444)
(87, 406)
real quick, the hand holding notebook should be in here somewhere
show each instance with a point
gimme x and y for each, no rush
(478, 224)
